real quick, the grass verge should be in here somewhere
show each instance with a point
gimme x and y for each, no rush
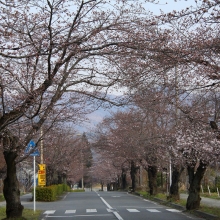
(28, 214)
(2, 198)
(77, 190)
(182, 202)
(212, 196)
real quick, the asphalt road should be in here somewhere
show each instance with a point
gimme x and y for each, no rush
(105, 206)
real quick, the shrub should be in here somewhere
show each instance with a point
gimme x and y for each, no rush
(50, 193)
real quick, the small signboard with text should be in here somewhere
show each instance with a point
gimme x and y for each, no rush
(42, 175)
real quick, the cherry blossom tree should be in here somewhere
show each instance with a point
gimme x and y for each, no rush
(184, 63)
(49, 48)
(193, 51)
(116, 166)
(60, 151)
(134, 141)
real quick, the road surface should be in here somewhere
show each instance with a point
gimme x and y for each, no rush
(104, 206)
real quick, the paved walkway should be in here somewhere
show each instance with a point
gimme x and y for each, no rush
(205, 201)
(24, 199)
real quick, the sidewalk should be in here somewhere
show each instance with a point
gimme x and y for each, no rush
(24, 199)
(205, 201)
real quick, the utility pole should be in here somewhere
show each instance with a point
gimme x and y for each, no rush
(41, 147)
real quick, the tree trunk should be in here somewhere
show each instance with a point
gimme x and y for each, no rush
(108, 187)
(123, 180)
(11, 190)
(174, 188)
(133, 175)
(195, 178)
(152, 176)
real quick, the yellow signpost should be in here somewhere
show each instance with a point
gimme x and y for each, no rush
(42, 166)
(42, 175)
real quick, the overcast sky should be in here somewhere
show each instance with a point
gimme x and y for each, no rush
(164, 5)
(169, 5)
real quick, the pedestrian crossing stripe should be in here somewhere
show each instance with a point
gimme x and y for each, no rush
(153, 210)
(51, 212)
(48, 212)
(173, 210)
(133, 210)
(70, 211)
(91, 210)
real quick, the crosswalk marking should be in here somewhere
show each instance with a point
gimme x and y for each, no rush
(70, 211)
(173, 210)
(133, 210)
(91, 210)
(49, 212)
(111, 210)
(153, 210)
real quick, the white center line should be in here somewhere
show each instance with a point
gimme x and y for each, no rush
(115, 213)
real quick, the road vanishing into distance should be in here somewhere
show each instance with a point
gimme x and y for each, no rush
(108, 205)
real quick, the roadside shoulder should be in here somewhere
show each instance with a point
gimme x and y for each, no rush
(182, 208)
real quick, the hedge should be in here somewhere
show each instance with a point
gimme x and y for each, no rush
(50, 193)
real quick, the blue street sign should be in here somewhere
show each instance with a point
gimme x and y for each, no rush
(32, 145)
(35, 153)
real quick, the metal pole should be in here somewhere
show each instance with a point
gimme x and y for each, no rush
(41, 147)
(34, 186)
(170, 173)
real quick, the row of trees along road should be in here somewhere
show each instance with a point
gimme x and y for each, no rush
(176, 99)
(149, 137)
(60, 59)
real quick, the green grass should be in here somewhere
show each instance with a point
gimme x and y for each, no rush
(144, 194)
(28, 214)
(2, 198)
(182, 202)
(212, 196)
(210, 210)
(77, 190)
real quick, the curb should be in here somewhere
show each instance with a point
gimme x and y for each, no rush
(182, 208)
(205, 215)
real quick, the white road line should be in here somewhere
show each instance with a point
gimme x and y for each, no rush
(153, 210)
(91, 210)
(117, 216)
(65, 196)
(133, 210)
(106, 203)
(68, 216)
(115, 213)
(173, 210)
(70, 211)
(48, 212)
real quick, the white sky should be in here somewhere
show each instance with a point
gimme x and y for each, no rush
(164, 5)
(169, 5)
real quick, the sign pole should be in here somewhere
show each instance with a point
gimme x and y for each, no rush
(34, 186)
(31, 146)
